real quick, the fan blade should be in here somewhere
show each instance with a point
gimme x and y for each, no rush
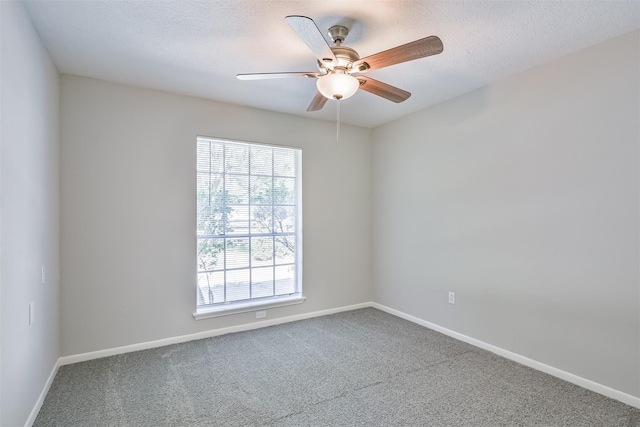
(384, 90)
(308, 31)
(422, 48)
(317, 103)
(285, 75)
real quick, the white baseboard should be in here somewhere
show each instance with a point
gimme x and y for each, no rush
(43, 394)
(66, 360)
(582, 382)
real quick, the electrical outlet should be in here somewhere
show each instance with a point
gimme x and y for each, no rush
(261, 314)
(452, 297)
(42, 276)
(32, 312)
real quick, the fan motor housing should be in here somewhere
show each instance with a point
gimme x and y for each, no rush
(345, 56)
(345, 53)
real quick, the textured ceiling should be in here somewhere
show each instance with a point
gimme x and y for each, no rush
(197, 47)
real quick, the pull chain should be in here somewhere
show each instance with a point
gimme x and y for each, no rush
(338, 121)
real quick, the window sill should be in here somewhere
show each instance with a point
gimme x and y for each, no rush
(228, 309)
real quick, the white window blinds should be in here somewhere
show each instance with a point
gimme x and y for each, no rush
(248, 222)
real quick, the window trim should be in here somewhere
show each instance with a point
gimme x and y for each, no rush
(227, 309)
(250, 305)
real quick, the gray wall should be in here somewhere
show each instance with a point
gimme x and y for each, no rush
(29, 216)
(128, 211)
(522, 198)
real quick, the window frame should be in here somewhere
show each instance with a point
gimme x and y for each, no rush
(256, 303)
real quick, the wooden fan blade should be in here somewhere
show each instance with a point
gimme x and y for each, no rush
(285, 75)
(384, 90)
(317, 103)
(308, 31)
(427, 46)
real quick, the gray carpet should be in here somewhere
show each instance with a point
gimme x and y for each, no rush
(358, 368)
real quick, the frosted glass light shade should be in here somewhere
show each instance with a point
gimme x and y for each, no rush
(337, 86)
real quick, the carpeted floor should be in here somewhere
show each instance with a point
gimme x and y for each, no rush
(358, 368)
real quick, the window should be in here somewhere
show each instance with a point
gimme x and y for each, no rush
(248, 226)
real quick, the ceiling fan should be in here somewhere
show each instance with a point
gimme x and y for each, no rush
(340, 66)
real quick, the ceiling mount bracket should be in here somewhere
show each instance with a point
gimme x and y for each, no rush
(338, 33)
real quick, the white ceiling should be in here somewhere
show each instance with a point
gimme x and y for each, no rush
(197, 47)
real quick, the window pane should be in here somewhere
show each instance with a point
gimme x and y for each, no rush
(237, 219)
(261, 251)
(210, 254)
(285, 249)
(284, 219)
(261, 282)
(209, 156)
(285, 280)
(284, 162)
(237, 285)
(261, 160)
(210, 219)
(237, 189)
(209, 188)
(261, 189)
(261, 219)
(237, 159)
(210, 287)
(284, 191)
(209, 206)
(237, 253)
